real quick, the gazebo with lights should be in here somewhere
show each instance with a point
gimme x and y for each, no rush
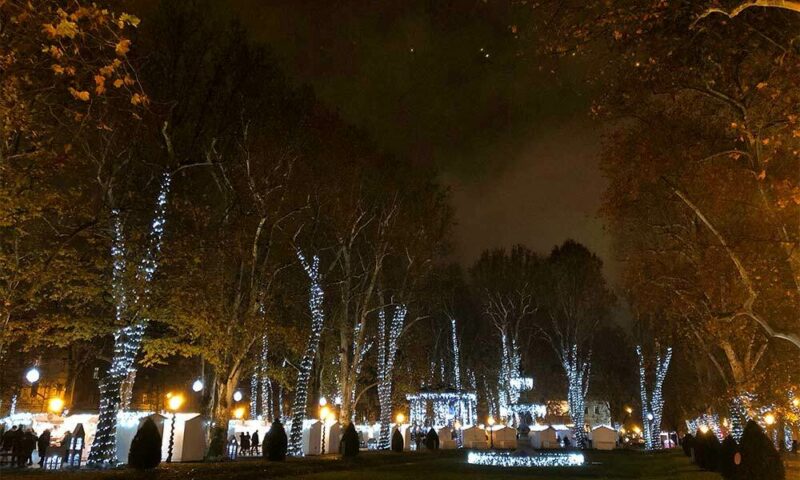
(442, 407)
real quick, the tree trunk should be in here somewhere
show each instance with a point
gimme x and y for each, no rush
(304, 372)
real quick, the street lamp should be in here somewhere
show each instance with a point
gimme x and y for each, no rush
(197, 386)
(400, 418)
(796, 402)
(33, 375)
(324, 414)
(490, 421)
(237, 396)
(174, 402)
(239, 413)
(55, 405)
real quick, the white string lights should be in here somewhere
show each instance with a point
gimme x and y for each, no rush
(387, 352)
(653, 406)
(456, 359)
(128, 339)
(316, 296)
(502, 459)
(577, 372)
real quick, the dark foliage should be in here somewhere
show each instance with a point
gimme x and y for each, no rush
(727, 452)
(760, 459)
(145, 450)
(350, 444)
(397, 441)
(432, 440)
(216, 447)
(275, 442)
(707, 449)
(687, 444)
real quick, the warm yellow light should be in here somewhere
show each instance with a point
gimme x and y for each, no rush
(55, 405)
(704, 429)
(175, 402)
(622, 430)
(725, 423)
(796, 402)
(490, 420)
(400, 418)
(239, 413)
(769, 419)
(169, 394)
(629, 410)
(324, 413)
(637, 430)
(457, 425)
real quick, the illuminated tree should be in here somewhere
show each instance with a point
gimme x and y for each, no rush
(389, 332)
(316, 297)
(576, 301)
(652, 404)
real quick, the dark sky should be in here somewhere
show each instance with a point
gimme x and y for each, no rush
(450, 82)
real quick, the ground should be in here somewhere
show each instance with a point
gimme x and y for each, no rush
(417, 466)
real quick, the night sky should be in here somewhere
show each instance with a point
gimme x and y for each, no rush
(451, 83)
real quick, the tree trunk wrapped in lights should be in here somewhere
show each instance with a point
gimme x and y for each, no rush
(653, 405)
(316, 296)
(456, 355)
(387, 352)
(577, 371)
(266, 384)
(128, 339)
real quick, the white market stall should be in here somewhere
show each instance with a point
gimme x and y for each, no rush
(504, 436)
(604, 438)
(475, 437)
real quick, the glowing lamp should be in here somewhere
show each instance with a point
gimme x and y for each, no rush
(796, 402)
(490, 421)
(622, 430)
(323, 401)
(704, 429)
(637, 430)
(239, 413)
(197, 386)
(33, 375)
(629, 410)
(237, 396)
(324, 413)
(769, 419)
(400, 418)
(175, 402)
(55, 405)
(457, 425)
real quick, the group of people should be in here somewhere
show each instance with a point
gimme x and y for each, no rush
(249, 444)
(19, 443)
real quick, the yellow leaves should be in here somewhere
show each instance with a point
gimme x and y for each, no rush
(127, 19)
(617, 35)
(122, 47)
(100, 84)
(762, 175)
(138, 99)
(761, 85)
(58, 69)
(118, 83)
(67, 28)
(82, 95)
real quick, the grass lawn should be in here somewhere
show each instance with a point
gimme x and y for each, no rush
(418, 466)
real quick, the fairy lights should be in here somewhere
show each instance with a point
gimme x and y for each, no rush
(128, 339)
(266, 383)
(577, 372)
(456, 359)
(652, 406)
(498, 459)
(316, 296)
(387, 352)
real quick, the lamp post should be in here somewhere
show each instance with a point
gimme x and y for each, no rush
(490, 421)
(174, 402)
(324, 413)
